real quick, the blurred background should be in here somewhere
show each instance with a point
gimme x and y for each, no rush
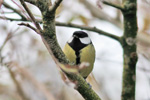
(27, 71)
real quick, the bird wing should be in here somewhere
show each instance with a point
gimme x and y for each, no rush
(70, 53)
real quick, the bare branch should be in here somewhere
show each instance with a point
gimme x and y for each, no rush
(93, 29)
(101, 14)
(9, 36)
(55, 6)
(25, 20)
(114, 5)
(11, 19)
(29, 26)
(50, 41)
(18, 86)
(31, 16)
(25, 73)
(15, 10)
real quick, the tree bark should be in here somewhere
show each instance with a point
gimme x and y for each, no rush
(129, 49)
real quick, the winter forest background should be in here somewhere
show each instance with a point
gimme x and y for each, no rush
(33, 74)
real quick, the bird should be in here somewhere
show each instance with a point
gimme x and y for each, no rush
(79, 48)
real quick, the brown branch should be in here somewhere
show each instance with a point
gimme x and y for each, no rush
(25, 73)
(11, 19)
(31, 16)
(15, 10)
(55, 5)
(49, 38)
(101, 14)
(9, 36)
(93, 29)
(29, 26)
(17, 84)
(113, 5)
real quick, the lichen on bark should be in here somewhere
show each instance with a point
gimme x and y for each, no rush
(129, 50)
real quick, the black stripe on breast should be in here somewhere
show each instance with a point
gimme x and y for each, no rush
(77, 57)
(77, 46)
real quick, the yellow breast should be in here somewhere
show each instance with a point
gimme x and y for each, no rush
(87, 54)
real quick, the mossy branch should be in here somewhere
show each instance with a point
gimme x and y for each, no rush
(49, 38)
(55, 5)
(129, 49)
(52, 9)
(39, 30)
(128, 42)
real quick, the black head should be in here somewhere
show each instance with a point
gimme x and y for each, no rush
(79, 40)
(80, 34)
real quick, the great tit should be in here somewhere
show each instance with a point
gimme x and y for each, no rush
(78, 49)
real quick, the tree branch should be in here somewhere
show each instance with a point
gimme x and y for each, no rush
(101, 14)
(11, 19)
(50, 41)
(17, 84)
(31, 16)
(15, 10)
(49, 38)
(27, 75)
(55, 5)
(29, 26)
(114, 5)
(129, 50)
(43, 5)
(93, 29)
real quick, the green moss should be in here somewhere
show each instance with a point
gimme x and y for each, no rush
(50, 37)
(129, 50)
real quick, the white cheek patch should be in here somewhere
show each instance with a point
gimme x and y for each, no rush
(85, 40)
(70, 40)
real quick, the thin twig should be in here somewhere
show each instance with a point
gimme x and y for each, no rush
(100, 14)
(31, 16)
(9, 36)
(55, 5)
(39, 86)
(29, 26)
(18, 86)
(12, 19)
(114, 5)
(15, 10)
(93, 29)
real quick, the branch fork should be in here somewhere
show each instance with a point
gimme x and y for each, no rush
(113, 5)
